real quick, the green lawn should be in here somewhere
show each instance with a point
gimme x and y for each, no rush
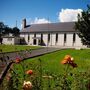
(10, 48)
(52, 62)
(77, 78)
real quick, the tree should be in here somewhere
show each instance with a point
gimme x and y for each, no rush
(2, 27)
(7, 30)
(83, 26)
(16, 31)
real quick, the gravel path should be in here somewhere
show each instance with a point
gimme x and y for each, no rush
(6, 58)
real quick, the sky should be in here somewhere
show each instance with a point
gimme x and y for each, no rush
(40, 11)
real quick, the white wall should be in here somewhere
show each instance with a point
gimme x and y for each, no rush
(21, 35)
(6, 41)
(78, 41)
(60, 39)
(31, 40)
(53, 39)
(45, 39)
(38, 35)
(26, 38)
(69, 39)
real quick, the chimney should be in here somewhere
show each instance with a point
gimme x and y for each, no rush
(23, 23)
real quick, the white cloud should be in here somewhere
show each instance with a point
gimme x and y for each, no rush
(40, 21)
(68, 15)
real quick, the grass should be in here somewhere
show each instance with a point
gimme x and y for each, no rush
(51, 64)
(10, 48)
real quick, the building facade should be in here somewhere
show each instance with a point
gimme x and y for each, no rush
(8, 40)
(50, 34)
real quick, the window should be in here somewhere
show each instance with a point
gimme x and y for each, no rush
(56, 37)
(48, 37)
(41, 38)
(74, 38)
(65, 38)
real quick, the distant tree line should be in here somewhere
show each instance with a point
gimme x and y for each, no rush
(6, 30)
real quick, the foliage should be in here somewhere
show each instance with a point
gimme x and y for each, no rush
(2, 26)
(50, 74)
(15, 31)
(83, 26)
(5, 30)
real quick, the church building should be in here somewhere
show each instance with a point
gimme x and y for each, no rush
(50, 34)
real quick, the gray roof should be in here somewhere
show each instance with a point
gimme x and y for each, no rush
(50, 27)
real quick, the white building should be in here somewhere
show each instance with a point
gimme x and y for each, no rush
(10, 40)
(51, 34)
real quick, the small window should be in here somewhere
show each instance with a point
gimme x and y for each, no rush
(56, 37)
(48, 37)
(74, 38)
(65, 38)
(41, 37)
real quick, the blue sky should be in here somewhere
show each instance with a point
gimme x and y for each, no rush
(39, 10)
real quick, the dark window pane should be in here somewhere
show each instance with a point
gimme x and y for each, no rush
(48, 37)
(65, 37)
(41, 38)
(74, 37)
(56, 37)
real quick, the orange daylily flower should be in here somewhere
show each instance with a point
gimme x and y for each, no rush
(64, 62)
(30, 72)
(69, 60)
(67, 57)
